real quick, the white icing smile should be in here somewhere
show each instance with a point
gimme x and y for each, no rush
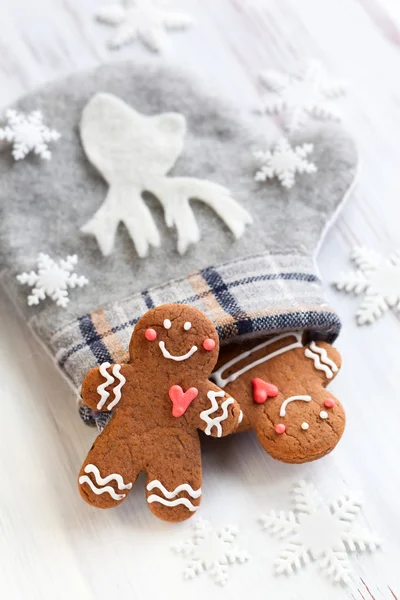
(166, 354)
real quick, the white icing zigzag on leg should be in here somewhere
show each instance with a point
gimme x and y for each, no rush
(101, 389)
(321, 364)
(216, 421)
(184, 487)
(108, 489)
(102, 481)
(184, 501)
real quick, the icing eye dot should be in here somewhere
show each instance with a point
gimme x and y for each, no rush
(323, 414)
(187, 326)
(150, 334)
(305, 426)
(280, 428)
(167, 324)
(208, 344)
(329, 403)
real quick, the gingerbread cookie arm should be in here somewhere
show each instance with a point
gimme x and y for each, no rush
(108, 473)
(102, 387)
(218, 414)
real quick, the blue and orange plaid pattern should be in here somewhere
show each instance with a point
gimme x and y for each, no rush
(255, 296)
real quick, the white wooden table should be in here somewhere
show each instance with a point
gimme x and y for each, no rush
(54, 546)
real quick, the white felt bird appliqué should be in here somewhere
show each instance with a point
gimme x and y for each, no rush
(134, 153)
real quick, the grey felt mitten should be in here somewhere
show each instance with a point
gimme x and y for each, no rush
(137, 144)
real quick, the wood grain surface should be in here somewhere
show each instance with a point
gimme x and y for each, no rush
(54, 546)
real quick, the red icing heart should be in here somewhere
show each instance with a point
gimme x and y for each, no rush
(263, 390)
(180, 399)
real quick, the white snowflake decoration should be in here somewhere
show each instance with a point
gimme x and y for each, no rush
(297, 98)
(211, 551)
(320, 532)
(52, 280)
(27, 133)
(140, 19)
(284, 162)
(378, 278)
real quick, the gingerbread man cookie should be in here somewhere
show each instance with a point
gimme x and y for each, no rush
(158, 401)
(280, 386)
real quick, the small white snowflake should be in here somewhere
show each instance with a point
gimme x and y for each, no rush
(27, 133)
(140, 19)
(320, 532)
(284, 162)
(378, 278)
(52, 280)
(297, 98)
(211, 551)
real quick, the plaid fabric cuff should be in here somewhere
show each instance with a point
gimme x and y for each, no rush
(255, 296)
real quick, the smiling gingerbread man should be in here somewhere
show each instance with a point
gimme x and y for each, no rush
(159, 401)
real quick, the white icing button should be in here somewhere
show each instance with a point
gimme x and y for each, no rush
(187, 326)
(305, 426)
(323, 414)
(167, 324)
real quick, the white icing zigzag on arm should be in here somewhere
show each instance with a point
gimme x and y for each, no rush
(184, 487)
(101, 389)
(102, 481)
(321, 364)
(117, 390)
(216, 421)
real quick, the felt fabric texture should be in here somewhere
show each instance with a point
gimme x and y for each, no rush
(44, 205)
(134, 152)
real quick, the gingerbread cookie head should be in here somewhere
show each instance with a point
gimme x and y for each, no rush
(175, 338)
(303, 422)
(280, 386)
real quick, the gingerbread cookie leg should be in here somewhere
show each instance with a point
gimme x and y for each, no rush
(173, 487)
(108, 473)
